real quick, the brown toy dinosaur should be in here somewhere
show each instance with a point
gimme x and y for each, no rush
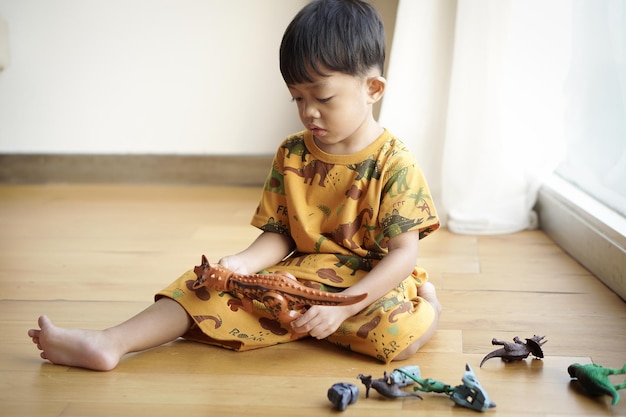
(280, 292)
(516, 351)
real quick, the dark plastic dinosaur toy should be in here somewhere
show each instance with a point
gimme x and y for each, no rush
(282, 294)
(594, 379)
(516, 351)
(342, 394)
(385, 387)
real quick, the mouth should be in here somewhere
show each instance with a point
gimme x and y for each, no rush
(317, 131)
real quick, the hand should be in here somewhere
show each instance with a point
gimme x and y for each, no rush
(321, 321)
(234, 263)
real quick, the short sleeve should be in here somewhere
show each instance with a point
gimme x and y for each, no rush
(406, 202)
(271, 214)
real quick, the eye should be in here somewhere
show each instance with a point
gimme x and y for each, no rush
(296, 99)
(324, 100)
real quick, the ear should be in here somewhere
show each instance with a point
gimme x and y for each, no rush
(376, 88)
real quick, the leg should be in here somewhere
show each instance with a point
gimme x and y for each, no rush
(621, 371)
(428, 293)
(101, 350)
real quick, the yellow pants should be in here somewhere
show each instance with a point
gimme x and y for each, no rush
(382, 330)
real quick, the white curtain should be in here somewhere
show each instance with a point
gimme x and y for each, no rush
(476, 91)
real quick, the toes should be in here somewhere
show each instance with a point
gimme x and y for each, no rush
(43, 321)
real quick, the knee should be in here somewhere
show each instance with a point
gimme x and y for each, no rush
(408, 352)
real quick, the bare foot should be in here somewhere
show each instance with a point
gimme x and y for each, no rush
(74, 347)
(428, 293)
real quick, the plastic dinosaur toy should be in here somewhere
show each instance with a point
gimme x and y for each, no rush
(470, 394)
(594, 379)
(516, 351)
(284, 297)
(343, 394)
(407, 375)
(385, 387)
(432, 385)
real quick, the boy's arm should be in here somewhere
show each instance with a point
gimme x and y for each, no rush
(398, 264)
(322, 321)
(268, 249)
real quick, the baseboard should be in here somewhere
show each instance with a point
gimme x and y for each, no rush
(163, 169)
(592, 234)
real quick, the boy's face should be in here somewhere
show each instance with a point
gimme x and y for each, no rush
(337, 109)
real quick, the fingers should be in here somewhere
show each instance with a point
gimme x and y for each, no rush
(316, 324)
(233, 263)
(226, 263)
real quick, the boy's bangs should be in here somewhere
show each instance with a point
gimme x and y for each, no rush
(297, 70)
(301, 61)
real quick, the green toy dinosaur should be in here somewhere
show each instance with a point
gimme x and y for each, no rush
(594, 379)
(470, 394)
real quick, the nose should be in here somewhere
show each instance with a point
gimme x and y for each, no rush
(309, 111)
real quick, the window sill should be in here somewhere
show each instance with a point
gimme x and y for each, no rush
(591, 233)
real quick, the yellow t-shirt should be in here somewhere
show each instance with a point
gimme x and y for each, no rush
(341, 210)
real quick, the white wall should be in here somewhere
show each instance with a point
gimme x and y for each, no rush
(145, 76)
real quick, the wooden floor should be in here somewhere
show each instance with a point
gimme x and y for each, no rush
(91, 256)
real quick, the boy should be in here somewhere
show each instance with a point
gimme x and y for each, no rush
(343, 209)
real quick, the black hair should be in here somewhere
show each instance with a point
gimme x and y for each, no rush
(337, 35)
